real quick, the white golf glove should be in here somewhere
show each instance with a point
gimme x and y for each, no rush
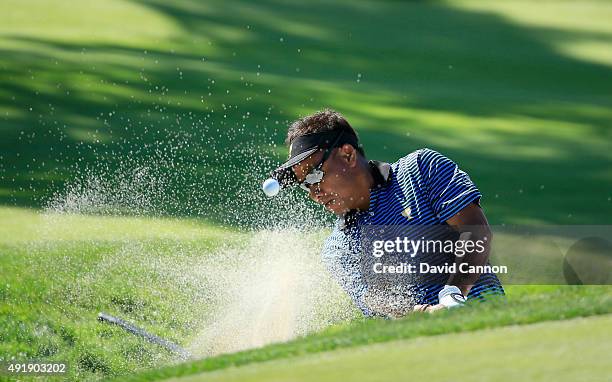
(451, 297)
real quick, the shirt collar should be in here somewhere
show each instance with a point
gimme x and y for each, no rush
(381, 172)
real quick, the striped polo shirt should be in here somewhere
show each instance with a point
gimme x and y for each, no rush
(423, 188)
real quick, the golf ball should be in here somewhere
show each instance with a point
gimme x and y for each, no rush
(271, 187)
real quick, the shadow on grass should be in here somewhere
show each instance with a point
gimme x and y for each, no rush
(202, 117)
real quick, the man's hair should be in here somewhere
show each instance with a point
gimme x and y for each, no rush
(323, 120)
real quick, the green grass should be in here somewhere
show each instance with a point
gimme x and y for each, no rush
(182, 106)
(517, 93)
(59, 271)
(525, 305)
(572, 350)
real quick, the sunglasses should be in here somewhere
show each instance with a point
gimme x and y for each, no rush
(315, 176)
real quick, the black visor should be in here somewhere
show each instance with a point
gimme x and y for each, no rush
(304, 146)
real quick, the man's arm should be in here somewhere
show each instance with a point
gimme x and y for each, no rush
(472, 225)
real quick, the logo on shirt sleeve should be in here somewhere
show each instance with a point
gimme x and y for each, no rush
(407, 213)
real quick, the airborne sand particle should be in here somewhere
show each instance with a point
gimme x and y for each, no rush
(273, 289)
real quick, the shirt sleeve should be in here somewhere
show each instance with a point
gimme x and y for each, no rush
(449, 189)
(344, 267)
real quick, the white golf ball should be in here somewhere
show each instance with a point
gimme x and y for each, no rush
(271, 187)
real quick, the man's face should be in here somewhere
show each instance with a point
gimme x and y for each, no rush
(335, 191)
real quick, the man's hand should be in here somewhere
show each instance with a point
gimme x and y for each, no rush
(449, 297)
(428, 308)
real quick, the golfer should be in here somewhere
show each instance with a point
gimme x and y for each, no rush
(422, 189)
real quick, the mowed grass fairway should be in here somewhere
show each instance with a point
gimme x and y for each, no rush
(169, 114)
(518, 94)
(572, 350)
